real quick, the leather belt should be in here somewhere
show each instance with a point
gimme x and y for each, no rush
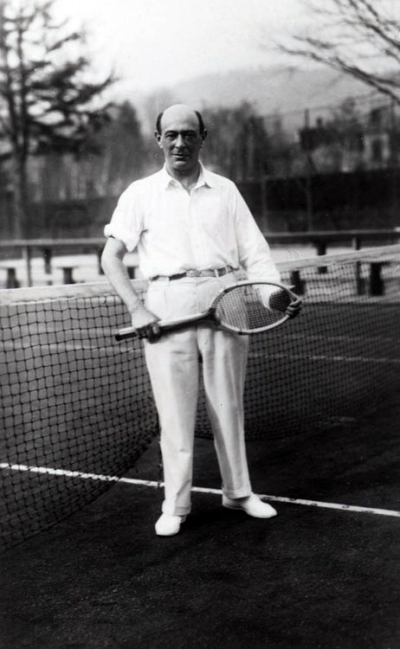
(208, 272)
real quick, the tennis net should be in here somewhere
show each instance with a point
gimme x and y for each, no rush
(76, 407)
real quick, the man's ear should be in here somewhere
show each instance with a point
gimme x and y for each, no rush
(203, 137)
(158, 138)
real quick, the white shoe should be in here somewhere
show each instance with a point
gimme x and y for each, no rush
(168, 525)
(252, 505)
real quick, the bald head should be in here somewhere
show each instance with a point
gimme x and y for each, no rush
(179, 112)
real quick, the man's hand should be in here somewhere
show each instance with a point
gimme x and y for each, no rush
(280, 301)
(145, 323)
(294, 308)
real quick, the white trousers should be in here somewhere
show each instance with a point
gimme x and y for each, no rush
(174, 363)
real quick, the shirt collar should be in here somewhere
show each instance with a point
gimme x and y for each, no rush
(204, 179)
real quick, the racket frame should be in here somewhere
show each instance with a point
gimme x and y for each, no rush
(209, 317)
(241, 330)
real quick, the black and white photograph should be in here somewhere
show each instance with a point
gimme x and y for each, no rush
(199, 324)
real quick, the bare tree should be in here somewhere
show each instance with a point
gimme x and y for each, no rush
(47, 101)
(358, 37)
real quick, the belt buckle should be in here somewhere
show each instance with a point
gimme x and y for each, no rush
(193, 273)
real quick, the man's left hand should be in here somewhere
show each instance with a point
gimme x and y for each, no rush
(294, 308)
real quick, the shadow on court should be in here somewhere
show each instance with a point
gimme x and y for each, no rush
(312, 577)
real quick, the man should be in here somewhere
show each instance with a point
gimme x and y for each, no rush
(193, 232)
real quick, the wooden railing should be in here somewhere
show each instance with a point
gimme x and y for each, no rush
(321, 240)
(46, 248)
(26, 248)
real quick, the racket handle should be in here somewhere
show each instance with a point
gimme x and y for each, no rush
(124, 334)
(130, 332)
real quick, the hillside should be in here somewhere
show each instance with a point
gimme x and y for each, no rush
(270, 90)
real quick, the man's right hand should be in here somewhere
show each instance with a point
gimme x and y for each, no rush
(145, 323)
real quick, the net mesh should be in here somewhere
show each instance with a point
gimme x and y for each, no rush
(339, 358)
(76, 407)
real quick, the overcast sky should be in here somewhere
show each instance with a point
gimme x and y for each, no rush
(156, 43)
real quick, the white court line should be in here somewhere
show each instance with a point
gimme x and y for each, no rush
(354, 359)
(62, 347)
(325, 357)
(218, 492)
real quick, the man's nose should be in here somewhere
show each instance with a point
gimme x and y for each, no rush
(180, 141)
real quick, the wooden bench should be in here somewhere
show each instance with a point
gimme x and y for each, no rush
(375, 284)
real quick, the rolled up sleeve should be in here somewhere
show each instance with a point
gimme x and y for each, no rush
(126, 221)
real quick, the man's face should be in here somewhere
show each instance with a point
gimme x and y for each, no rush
(180, 141)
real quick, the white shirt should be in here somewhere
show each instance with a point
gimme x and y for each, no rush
(175, 231)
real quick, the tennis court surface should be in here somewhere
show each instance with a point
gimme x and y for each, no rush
(82, 566)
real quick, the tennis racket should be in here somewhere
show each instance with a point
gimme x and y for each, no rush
(243, 308)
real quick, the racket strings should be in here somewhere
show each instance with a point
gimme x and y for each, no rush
(248, 308)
